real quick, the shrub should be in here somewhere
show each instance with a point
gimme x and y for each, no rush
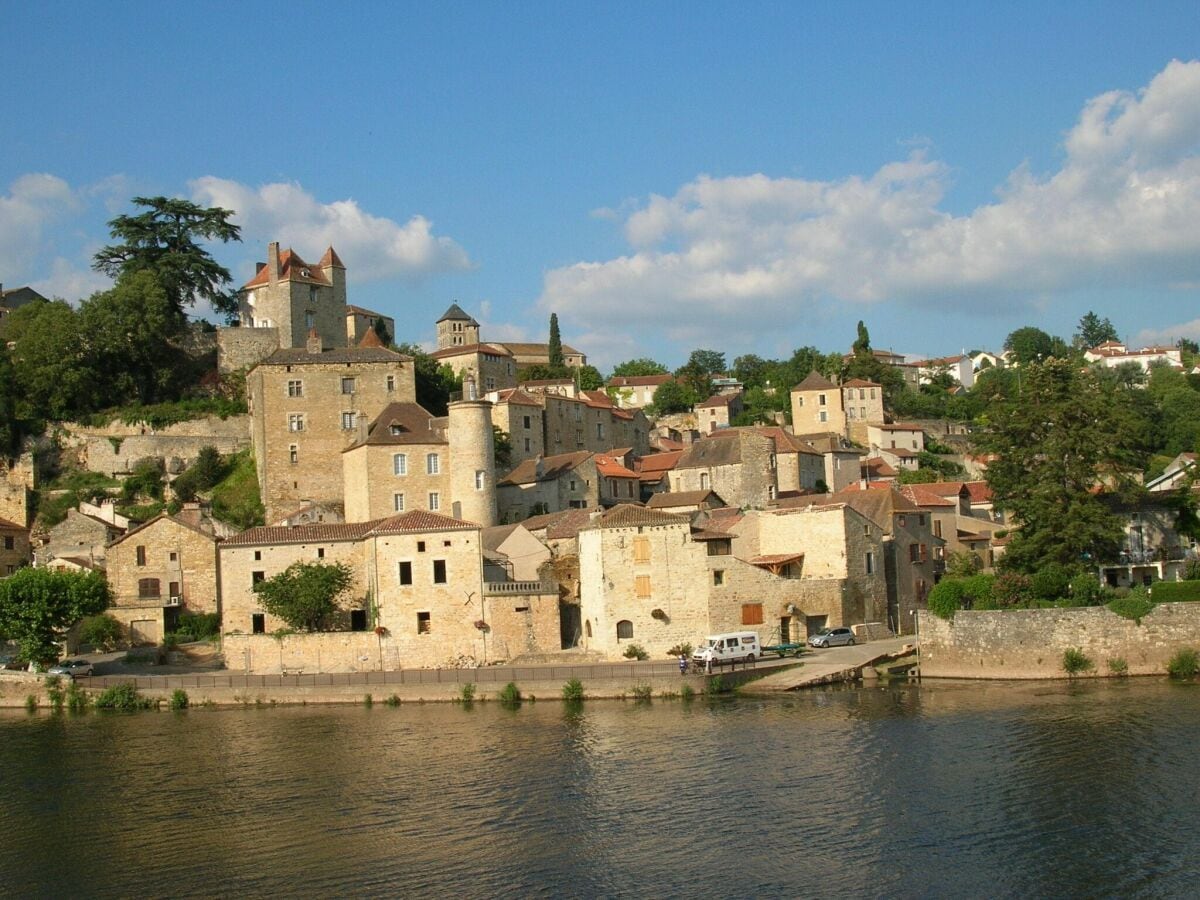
(1117, 666)
(962, 564)
(122, 697)
(200, 626)
(1075, 662)
(1051, 582)
(1131, 606)
(466, 693)
(977, 592)
(572, 691)
(686, 693)
(170, 640)
(717, 684)
(1012, 589)
(179, 699)
(680, 650)
(1085, 590)
(1184, 664)
(636, 651)
(945, 599)
(368, 701)
(642, 693)
(510, 695)
(101, 632)
(1175, 591)
(77, 698)
(31, 703)
(394, 700)
(55, 693)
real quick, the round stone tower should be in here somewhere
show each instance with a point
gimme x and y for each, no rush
(472, 458)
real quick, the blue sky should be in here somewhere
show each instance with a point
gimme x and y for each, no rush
(749, 178)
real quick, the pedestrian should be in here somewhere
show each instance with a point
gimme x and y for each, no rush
(682, 664)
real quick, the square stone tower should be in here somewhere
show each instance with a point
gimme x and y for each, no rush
(456, 329)
(294, 297)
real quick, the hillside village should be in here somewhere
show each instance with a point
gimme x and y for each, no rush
(492, 501)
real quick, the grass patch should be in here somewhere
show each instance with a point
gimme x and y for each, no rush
(510, 695)
(236, 498)
(1176, 591)
(393, 700)
(642, 693)
(572, 691)
(1134, 606)
(1118, 667)
(78, 486)
(686, 693)
(1184, 664)
(179, 699)
(77, 698)
(1076, 662)
(368, 701)
(466, 693)
(55, 693)
(717, 684)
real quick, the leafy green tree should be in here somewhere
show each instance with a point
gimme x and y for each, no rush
(37, 606)
(1030, 345)
(501, 448)
(589, 378)
(555, 350)
(306, 595)
(434, 383)
(55, 376)
(862, 343)
(381, 331)
(165, 239)
(1094, 331)
(203, 474)
(1177, 410)
(710, 362)
(11, 429)
(640, 366)
(751, 370)
(697, 373)
(540, 373)
(1068, 433)
(673, 397)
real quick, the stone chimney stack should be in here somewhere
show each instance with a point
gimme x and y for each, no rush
(361, 421)
(539, 467)
(314, 344)
(273, 262)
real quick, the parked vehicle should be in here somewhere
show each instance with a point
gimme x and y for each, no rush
(72, 667)
(832, 637)
(724, 648)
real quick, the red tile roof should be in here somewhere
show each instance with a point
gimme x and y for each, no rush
(419, 520)
(292, 268)
(301, 534)
(450, 352)
(657, 463)
(860, 382)
(627, 516)
(610, 468)
(517, 396)
(879, 467)
(918, 494)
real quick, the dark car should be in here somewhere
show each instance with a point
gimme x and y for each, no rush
(832, 637)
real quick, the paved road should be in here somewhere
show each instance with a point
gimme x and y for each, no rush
(823, 666)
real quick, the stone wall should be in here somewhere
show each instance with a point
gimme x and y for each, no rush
(1029, 643)
(114, 449)
(244, 348)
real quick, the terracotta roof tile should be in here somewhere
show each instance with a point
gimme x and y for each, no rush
(553, 467)
(291, 268)
(815, 381)
(418, 521)
(668, 499)
(628, 515)
(465, 349)
(610, 468)
(268, 535)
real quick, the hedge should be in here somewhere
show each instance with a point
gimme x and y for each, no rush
(1175, 591)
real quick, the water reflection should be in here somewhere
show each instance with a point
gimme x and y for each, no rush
(906, 791)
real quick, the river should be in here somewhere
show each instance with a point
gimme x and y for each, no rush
(936, 790)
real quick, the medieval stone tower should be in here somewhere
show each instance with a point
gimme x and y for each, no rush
(456, 329)
(294, 298)
(472, 458)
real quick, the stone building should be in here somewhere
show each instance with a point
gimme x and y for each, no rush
(718, 411)
(359, 321)
(294, 297)
(635, 391)
(548, 484)
(739, 464)
(820, 405)
(548, 423)
(491, 365)
(456, 329)
(841, 460)
(15, 550)
(305, 404)
(520, 415)
(11, 298)
(407, 459)
(162, 568)
(417, 597)
(82, 535)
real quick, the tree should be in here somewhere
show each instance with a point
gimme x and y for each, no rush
(165, 240)
(1068, 434)
(1029, 345)
(305, 595)
(710, 362)
(640, 366)
(862, 344)
(555, 350)
(673, 397)
(381, 331)
(55, 376)
(434, 383)
(501, 448)
(1094, 331)
(589, 378)
(10, 428)
(37, 606)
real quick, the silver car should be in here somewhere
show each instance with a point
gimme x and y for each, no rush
(832, 637)
(72, 667)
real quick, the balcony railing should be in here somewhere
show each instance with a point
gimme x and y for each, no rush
(519, 587)
(1129, 557)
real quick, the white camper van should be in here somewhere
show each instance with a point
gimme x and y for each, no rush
(723, 648)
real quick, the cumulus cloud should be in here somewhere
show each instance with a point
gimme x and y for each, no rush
(373, 247)
(1120, 210)
(71, 281)
(33, 202)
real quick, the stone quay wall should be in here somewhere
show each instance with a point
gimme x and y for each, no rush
(1029, 643)
(116, 448)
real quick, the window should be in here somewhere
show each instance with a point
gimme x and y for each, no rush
(347, 421)
(914, 552)
(571, 484)
(420, 546)
(773, 461)
(432, 464)
(399, 464)
(480, 479)
(642, 586)
(293, 454)
(348, 385)
(258, 623)
(820, 400)
(862, 394)
(256, 577)
(872, 393)
(295, 421)
(404, 572)
(391, 383)
(937, 527)
(870, 563)
(903, 520)
(718, 577)
(295, 388)
(528, 446)
(9, 542)
(771, 491)
(423, 624)
(921, 520)
(398, 502)
(624, 630)
(704, 481)
(752, 614)
(358, 620)
(641, 549)
(148, 588)
(439, 571)
(173, 556)
(599, 431)
(320, 553)
(257, 555)
(141, 556)
(525, 422)
(720, 547)
(435, 501)
(924, 553)
(309, 319)
(823, 416)
(862, 410)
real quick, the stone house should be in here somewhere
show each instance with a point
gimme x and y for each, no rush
(654, 471)
(618, 484)
(305, 405)
(520, 414)
(359, 321)
(549, 484)
(15, 550)
(456, 328)
(407, 459)
(491, 365)
(739, 464)
(718, 411)
(295, 298)
(417, 599)
(162, 568)
(842, 461)
(527, 355)
(953, 520)
(11, 298)
(635, 391)
(900, 436)
(685, 504)
(819, 405)
(81, 535)
(518, 552)
(563, 424)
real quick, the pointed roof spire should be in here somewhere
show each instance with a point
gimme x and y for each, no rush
(370, 339)
(331, 259)
(455, 313)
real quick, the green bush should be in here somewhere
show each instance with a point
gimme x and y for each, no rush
(466, 693)
(170, 640)
(1011, 590)
(642, 693)
(1075, 662)
(368, 701)
(1175, 591)
(686, 693)
(945, 599)
(122, 697)
(179, 699)
(1117, 666)
(510, 695)
(977, 592)
(55, 693)
(636, 651)
(962, 564)
(236, 498)
(717, 684)
(77, 698)
(1131, 606)
(31, 703)
(1086, 590)
(199, 626)
(572, 691)
(1184, 664)
(394, 700)
(1051, 582)
(101, 632)
(680, 650)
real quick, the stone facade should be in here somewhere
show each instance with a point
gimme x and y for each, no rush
(820, 405)
(492, 367)
(79, 536)
(359, 321)
(15, 550)
(116, 448)
(635, 391)
(740, 465)
(1029, 643)
(306, 405)
(520, 415)
(296, 298)
(18, 480)
(552, 484)
(548, 423)
(240, 349)
(456, 329)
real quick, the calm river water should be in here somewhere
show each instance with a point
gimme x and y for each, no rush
(939, 790)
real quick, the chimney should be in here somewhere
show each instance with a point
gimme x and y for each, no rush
(314, 344)
(470, 390)
(258, 267)
(362, 427)
(539, 467)
(273, 261)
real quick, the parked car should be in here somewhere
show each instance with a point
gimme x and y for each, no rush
(72, 667)
(832, 637)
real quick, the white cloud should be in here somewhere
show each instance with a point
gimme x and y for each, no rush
(70, 281)
(372, 247)
(731, 253)
(32, 204)
(1158, 337)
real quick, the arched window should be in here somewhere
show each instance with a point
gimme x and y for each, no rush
(587, 628)
(624, 630)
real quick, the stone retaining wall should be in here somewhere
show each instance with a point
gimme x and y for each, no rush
(1029, 643)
